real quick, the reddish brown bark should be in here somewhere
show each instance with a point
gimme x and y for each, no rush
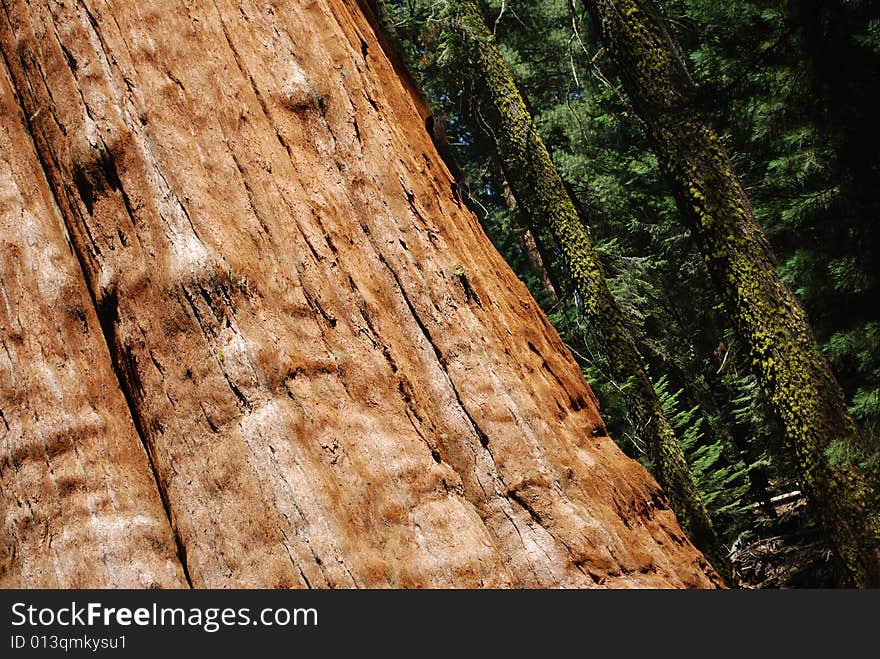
(79, 506)
(338, 379)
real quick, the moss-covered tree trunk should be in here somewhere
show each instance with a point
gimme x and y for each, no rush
(528, 242)
(792, 372)
(537, 185)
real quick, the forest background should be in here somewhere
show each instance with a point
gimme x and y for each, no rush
(790, 86)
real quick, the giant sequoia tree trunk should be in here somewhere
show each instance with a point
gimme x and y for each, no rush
(537, 184)
(78, 500)
(793, 374)
(269, 285)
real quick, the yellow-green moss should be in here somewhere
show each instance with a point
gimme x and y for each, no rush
(539, 188)
(793, 374)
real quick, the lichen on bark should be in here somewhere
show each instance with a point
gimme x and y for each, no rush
(536, 182)
(793, 374)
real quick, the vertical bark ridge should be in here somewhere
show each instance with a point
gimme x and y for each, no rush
(533, 176)
(78, 499)
(233, 175)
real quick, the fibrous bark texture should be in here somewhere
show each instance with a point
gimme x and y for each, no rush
(338, 381)
(78, 501)
(536, 182)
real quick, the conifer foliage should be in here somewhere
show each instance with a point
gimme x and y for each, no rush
(659, 120)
